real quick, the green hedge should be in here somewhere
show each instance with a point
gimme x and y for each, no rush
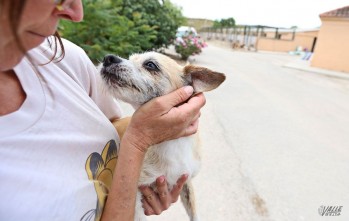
(123, 27)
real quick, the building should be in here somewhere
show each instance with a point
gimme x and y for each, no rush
(286, 40)
(265, 38)
(332, 47)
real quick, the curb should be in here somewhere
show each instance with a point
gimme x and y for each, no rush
(306, 67)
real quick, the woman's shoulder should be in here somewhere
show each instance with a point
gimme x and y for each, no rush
(52, 48)
(68, 45)
(73, 51)
(74, 62)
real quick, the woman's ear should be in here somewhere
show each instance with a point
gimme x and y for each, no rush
(202, 79)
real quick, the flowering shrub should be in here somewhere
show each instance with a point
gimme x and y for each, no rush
(188, 45)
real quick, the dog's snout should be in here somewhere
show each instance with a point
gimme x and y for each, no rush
(111, 59)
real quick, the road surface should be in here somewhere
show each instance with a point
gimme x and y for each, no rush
(275, 142)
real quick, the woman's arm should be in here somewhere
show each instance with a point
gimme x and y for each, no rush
(156, 121)
(163, 198)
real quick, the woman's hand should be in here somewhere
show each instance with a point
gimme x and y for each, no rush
(154, 203)
(161, 119)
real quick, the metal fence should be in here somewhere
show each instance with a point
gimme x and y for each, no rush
(246, 37)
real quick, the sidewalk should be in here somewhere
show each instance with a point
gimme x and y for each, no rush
(267, 114)
(299, 64)
(304, 65)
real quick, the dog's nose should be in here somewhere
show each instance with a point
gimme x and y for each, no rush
(111, 59)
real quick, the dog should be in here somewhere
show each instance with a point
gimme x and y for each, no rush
(146, 76)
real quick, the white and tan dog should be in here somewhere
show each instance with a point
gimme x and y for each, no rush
(146, 76)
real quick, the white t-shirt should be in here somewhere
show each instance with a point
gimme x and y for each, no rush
(58, 142)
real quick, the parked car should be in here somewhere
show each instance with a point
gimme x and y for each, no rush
(185, 31)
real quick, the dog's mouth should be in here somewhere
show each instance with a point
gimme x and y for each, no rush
(115, 76)
(111, 75)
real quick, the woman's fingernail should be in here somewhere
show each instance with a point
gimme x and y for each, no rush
(161, 179)
(189, 90)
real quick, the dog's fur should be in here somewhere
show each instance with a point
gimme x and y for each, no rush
(146, 76)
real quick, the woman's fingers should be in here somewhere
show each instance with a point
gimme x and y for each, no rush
(194, 104)
(192, 128)
(164, 195)
(178, 96)
(176, 190)
(152, 199)
(147, 208)
(155, 203)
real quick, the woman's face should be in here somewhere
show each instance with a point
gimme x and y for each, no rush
(38, 21)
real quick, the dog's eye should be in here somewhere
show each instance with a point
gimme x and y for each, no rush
(151, 66)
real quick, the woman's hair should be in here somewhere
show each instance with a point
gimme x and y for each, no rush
(15, 10)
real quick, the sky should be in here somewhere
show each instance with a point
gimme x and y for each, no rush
(277, 13)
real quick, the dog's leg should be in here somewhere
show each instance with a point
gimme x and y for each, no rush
(188, 200)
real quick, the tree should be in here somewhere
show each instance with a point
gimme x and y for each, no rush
(228, 23)
(217, 24)
(165, 18)
(123, 27)
(224, 23)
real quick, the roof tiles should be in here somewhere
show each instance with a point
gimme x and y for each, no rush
(340, 12)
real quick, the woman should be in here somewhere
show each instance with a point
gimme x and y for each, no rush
(57, 141)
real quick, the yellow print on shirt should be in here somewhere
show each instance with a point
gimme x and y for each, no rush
(100, 170)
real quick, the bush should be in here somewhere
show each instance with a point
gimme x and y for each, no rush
(104, 31)
(189, 45)
(123, 27)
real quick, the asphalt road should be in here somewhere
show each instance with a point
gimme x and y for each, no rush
(275, 142)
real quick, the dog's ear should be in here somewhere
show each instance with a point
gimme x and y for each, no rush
(202, 79)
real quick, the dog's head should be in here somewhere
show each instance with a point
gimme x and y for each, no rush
(149, 75)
